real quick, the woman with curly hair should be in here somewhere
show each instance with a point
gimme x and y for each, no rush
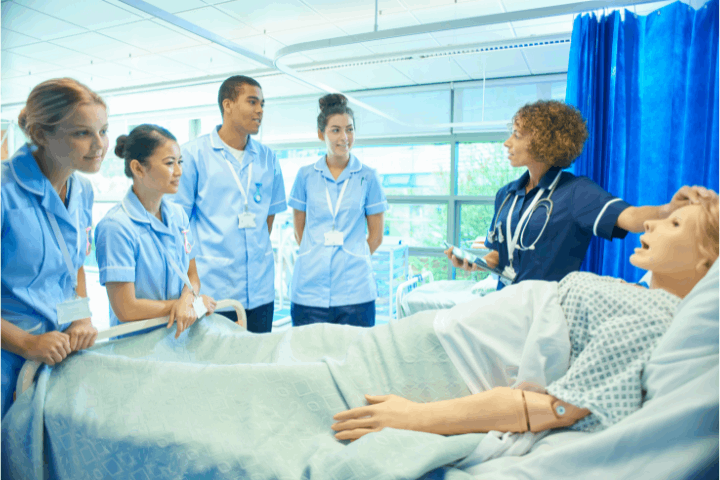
(544, 220)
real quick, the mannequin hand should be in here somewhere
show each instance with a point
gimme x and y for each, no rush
(183, 313)
(383, 411)
(82, 334)
(49, 348)
(464, 264)
(688, 196)
(210, 304)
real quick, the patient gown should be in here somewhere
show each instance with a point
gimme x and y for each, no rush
(220, 402)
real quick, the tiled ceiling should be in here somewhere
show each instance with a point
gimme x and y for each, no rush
(109, 45)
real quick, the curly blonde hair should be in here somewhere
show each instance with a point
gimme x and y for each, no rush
(708, 229)
(557, 131)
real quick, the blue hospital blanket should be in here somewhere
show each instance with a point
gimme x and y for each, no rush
(220, 402)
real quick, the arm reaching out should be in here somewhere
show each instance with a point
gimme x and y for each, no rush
(503, 409)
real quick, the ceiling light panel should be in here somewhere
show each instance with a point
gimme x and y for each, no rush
(35, 24)
(90, 14)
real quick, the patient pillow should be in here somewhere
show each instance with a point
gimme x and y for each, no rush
(689, 348)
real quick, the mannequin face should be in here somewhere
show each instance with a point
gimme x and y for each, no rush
(163, 171)
(339, 135)
(80, 141)
(670, 246)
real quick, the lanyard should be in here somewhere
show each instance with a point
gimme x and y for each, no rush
(513, 239)
(335, 211)
(183, 275)
(237, 180)
(63, 247)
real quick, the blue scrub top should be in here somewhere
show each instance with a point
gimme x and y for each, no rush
(232, 262)
(127, 249)
(35, 277)
(581, 209)
(331, 276)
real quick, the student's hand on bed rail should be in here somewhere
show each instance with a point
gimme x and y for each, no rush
(82, 334)
(182, 313)
(384, 411)
(49, 348)
(210, 304)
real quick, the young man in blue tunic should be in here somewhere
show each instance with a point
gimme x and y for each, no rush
(231, 189)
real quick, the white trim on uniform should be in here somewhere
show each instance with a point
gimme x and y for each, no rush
(602, 212)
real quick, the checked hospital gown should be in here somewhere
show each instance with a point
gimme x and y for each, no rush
(614, 327)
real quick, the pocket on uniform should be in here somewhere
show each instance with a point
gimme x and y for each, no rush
(23, 247)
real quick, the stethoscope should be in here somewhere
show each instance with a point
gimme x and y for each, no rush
(515, 240)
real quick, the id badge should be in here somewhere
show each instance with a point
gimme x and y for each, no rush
(246, 220)
(75, 309)
(508, 275)
(333, 238)
(199, 307)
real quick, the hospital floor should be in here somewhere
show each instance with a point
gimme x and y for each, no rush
(100, 306)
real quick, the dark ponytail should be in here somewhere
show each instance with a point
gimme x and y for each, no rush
(333, 104)
(140, 144)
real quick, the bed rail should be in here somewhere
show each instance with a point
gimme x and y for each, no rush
(30, 367)
(408, 286)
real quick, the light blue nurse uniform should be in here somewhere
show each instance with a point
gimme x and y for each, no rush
(35, 277)
(330, 276)
(581, 210)
(232, 262)
(128, 247)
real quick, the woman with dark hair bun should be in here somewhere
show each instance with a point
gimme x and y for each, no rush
(144, 244)
(334, 201)
(46, 225)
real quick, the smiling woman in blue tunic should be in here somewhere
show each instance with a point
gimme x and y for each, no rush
(144, 245)
(46, 224)
(544, 220)
(334, 201)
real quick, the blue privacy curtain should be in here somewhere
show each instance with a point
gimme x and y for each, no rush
(648, 88)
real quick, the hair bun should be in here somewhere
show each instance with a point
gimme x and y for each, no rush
(120, 145)
(22, 119)
(333, 99)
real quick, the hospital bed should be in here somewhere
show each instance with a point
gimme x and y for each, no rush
(674, 434)
(417, 295)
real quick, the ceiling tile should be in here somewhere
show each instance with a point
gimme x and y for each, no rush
(274, 17)
(516, 5)
(209, 59)
(35, 24)
(507, 63)
(332, 79)
(284, 86)
(12, 39)
(549, 59)
(260, 44)
(100, 46)
(335, 11)
(159, 66)
(218, 22)
(398, 45)
(344, 52)
(455, 11)
(544, 26)
(91, 14)
(376, 76)
(24, 64)
(128, 8)
(299, 35)
(48, 52)
(432, 70)
(149, 35)
(113, 71)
